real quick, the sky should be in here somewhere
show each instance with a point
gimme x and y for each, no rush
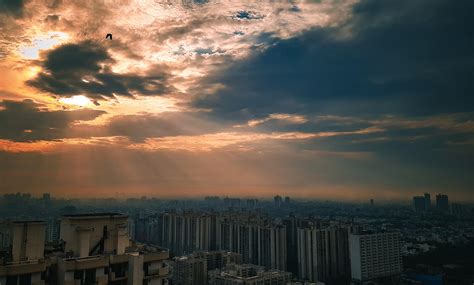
(329, 99)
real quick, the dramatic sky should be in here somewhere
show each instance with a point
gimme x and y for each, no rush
(325, 99)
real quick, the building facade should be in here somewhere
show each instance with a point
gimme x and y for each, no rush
(374, 256)
(256, 237)
(442, 203)
(323, 254)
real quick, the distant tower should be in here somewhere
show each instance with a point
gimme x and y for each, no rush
(277, 199)
(46, 200)
(419, 203)
(442, 203)
(427, 201)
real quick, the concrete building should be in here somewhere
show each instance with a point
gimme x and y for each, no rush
(427, 201)
(93, 249)
(442, 203)
(99, 251)
(190, 270)
(52, 230)
(24, 263)
(461, 210)
(374, 256)
(255, 236)
(260, 242)
(193, 268)
(419, 203)
(184, 233)
(219, 259)
(323, 254)
(248, 274)
(278, 201)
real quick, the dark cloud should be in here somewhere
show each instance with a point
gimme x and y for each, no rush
(247, 15)
(392, 57)
(295, 8)
(83, 68)
(413, 60)
(29, 121)
(12, 7)
(51, 19)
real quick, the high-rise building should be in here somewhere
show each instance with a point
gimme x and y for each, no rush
(442, 203)
(247, 274)
(291, 224)
(232, 202)
(374, 256)
(251, 203)
(460, 209)
(52, 230)
(323, 254)
(23, 262)
(277, 200)
(184, 233)
(259, 240)
(46, 200)
(256, 237)
(131, 228)
(419, 203)
(427, 201)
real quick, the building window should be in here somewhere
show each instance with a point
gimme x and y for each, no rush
(12, 280)
(25, 279)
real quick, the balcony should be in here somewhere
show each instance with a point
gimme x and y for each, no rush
(82, 263)
(118, 258)
(116, 276)
(158, 272)
(22, 267)
(156, 256)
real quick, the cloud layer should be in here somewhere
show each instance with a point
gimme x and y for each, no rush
(341, 97)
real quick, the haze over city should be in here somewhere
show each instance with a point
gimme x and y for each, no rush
(338, 100)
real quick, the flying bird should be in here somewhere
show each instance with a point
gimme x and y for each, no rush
(108, 36)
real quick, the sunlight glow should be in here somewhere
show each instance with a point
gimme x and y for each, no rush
(78, 100)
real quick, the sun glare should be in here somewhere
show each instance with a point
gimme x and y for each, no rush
(78, 100)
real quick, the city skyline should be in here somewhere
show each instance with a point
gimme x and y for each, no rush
(221, 241)
(124, 197)
(333, 100)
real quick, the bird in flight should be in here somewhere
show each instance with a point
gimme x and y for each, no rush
(108, 36)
